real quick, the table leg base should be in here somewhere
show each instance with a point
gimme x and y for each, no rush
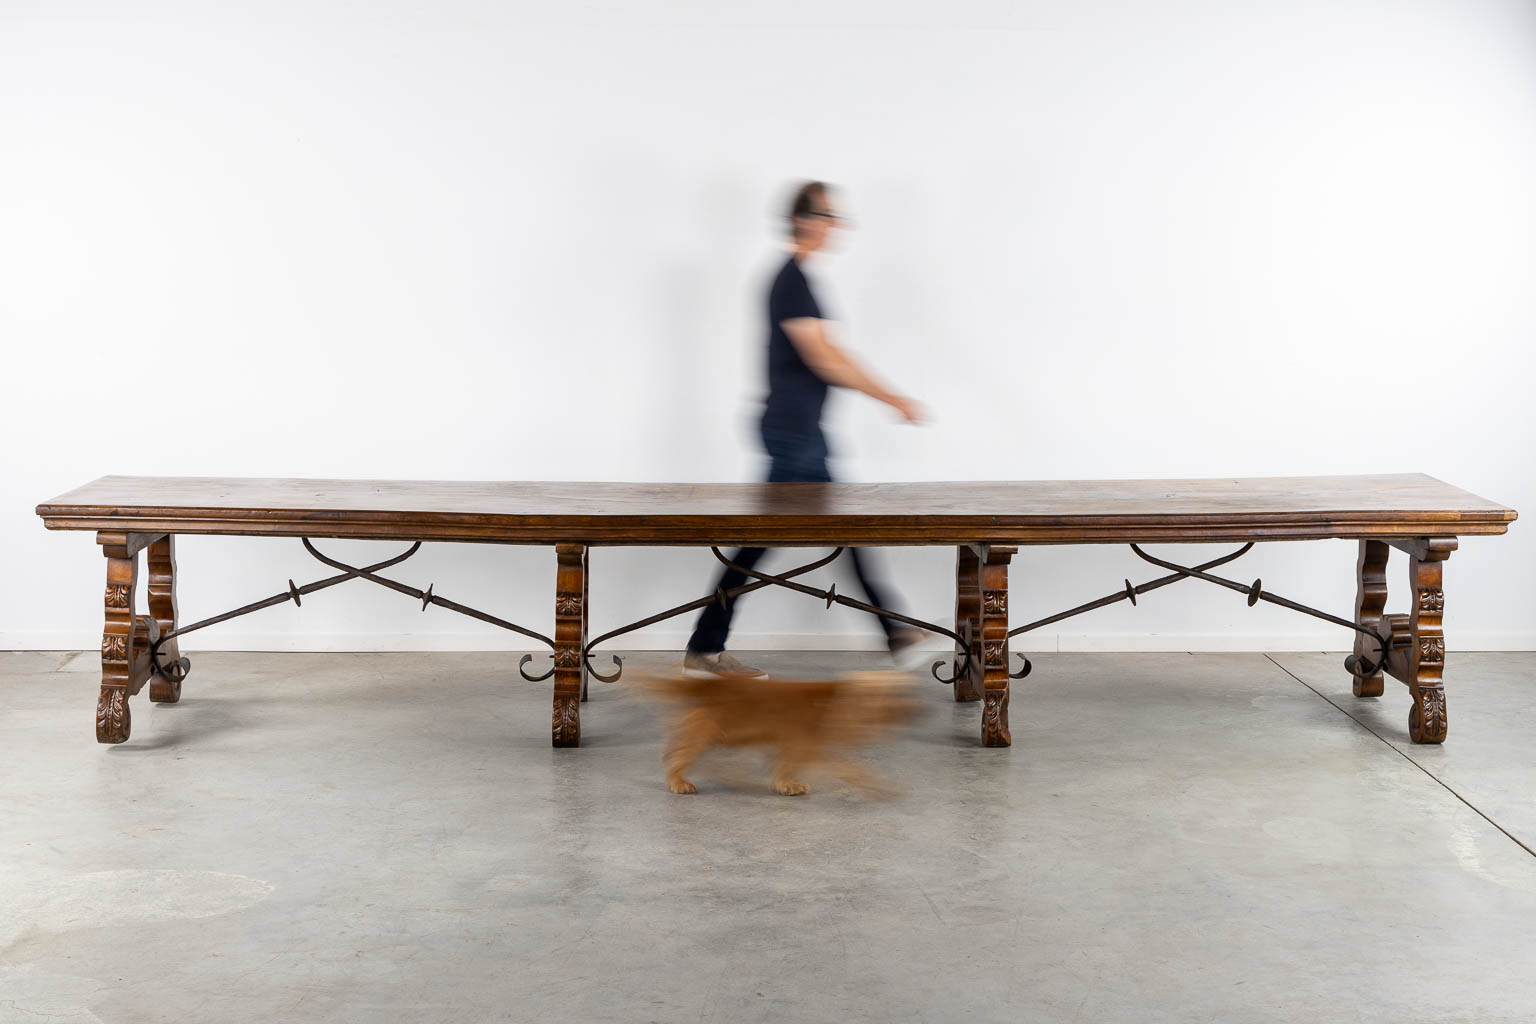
(570, 644)
(1427, 719)
(113, 721)
(1416, 648)
(1370, 602)
(967, 686)
(994, 720)
(160, 557)
(992, 580)
(126, 637)
(163, 690)
(565, 723)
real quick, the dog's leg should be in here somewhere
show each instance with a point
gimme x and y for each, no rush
(678, 760)
(687, 741)
(791, 759)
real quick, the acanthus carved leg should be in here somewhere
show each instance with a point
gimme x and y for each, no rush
(968, 623)
(164, 689)
(125, 636)
(113, 723)
(570, 641)
(993, 579)
(1426, 642)
(1370, 602)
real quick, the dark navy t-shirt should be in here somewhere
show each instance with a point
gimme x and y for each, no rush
(795, 393)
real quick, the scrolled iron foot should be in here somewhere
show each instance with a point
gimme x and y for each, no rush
(165, 687)
(522, 670)
(618, 669)
(175, 671)
(1024, 669)
(1362, 669)
(961, 670)
(165, 679)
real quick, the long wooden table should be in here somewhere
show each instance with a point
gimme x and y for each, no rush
(985, 522)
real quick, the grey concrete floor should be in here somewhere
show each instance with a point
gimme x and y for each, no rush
(390, 837)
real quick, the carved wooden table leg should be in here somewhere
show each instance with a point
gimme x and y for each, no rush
(162, 608)
(1370, 601)
(1426, 646)
(993, 562)
(968, 613)
(125, 638)
(570, 639)
(586, 563)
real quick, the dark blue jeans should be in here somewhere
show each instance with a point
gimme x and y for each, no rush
(796, 458)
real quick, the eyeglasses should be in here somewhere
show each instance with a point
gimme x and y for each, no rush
(825, 214)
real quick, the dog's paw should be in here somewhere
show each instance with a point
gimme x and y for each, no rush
(682, 786)
(792, 787)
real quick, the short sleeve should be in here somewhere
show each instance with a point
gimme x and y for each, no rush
(793, 298)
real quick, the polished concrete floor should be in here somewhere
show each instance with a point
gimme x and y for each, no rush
(390, 837)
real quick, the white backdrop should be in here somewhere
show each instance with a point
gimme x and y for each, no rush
(487, 241)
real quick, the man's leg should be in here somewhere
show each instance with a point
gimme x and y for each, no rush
(715, 620)
(792, 460)
(813, 467)
(874, 589)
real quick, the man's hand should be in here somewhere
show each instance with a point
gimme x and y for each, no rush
(910, 410)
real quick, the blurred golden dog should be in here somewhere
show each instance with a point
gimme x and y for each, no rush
(806, 722)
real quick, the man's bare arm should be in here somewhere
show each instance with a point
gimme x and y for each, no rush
(829, 362)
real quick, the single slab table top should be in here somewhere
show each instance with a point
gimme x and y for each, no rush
(790, 514)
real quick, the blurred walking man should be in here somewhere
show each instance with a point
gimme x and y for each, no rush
(803, 362)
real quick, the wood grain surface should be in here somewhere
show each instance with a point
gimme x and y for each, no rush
(1048, 511)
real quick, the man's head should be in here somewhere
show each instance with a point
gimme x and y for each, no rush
(812, 216)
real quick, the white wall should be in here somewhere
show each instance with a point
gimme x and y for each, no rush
(487, 241)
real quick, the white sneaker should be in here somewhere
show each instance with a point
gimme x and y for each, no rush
(720, 665)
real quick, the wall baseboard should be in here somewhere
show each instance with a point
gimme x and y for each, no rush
(1329, 640)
